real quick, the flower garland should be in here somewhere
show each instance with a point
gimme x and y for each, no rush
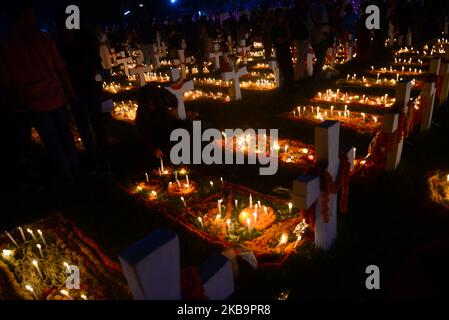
(341, 184)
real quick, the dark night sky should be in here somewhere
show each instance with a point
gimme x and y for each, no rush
(111, 11)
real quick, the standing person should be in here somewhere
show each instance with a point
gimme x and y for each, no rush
(35, 76)
(319, 34)
(364, 45)
(80, 53)
(173, 39)
(267, 26)
(300, 35)
(147, 37)
(231, 26)
(205, 43)
(105, 54)
(280, 34)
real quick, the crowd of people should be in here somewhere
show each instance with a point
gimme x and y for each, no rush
(43, 74)
(318, 23)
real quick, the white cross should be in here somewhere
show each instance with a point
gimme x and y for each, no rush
(139, 57)
(216, 56)
(444, 72)
(427, 103)
(275, 67)
(309, 62)
(233, 76)
(125, 62)
(152, 269)
(390, 125)
(140, 72)
(156, 57)
(178, 90)
(243, 50)
(307, 190)
(181, 63)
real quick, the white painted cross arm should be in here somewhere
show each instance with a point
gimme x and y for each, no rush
(151, 267)
(275, 67)
(125, 62)
(178, 89)
(140, 72)
(234, 77)
(307, 190)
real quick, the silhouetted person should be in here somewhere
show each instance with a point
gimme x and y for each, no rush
(281, 43)
(319, 34)
(300, 34)
(155, 119)
(34, 75)
(80, 52)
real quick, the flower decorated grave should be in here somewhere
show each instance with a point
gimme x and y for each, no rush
(35, 257)
(223, 213)
(361, 122)
(438, 185)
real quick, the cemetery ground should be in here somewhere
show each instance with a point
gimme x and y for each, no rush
(390, 222)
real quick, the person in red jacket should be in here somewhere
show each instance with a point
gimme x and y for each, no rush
(34, 75)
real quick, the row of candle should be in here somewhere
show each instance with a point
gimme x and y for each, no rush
(403, 71)
(261, 84)
(212, 82)
(318, 113)
(199, 94)
(125, 110)
(345, 97)
(407, 61)
(114, 87)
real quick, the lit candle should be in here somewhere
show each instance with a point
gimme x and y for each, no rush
(66, 293)
(250, 201)
(236, 203)
(146, 177)
(219, 206)
(228, 223)
(248, 223)
(22, 234)
(36, 265)
(7, 253)
(40, 250)
(211, 184)
(290, 206)
(187, 179)
(41, 235)
(201, 222)
(162, 166)
(179, 183)
(283, 240)
(32, 234)
(11, 238)
(184, 202)
(222, 181)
